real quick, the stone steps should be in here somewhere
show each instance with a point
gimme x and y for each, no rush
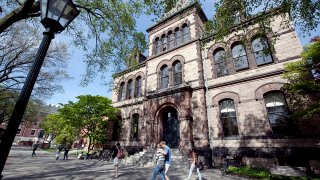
(145, 158)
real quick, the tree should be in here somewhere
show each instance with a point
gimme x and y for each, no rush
(88, 117)
(109, 25)
(303, 89)
(17, 55)
(303, 13)
(59, 129)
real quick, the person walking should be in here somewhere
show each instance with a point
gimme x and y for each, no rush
(194, 164)
(159, 164)
(34, 148)
(167, 153)
(117, 155)
(59, 149)
(66, 151)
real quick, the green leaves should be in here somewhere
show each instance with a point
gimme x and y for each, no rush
(302, 89)
(87, 117)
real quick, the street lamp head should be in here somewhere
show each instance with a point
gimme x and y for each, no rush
(57, 14)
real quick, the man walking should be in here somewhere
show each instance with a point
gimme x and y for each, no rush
(35, 147)
(167, 153)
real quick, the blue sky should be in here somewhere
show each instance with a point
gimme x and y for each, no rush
(76, 68)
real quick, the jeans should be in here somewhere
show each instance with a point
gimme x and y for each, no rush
(158, 169)
(191, 170)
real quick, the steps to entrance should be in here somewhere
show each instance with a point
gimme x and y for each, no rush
(145, 158)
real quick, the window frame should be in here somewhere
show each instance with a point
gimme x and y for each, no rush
(121, 94)
(257, 53)
(162, 76)
(239, 56)
(135, 126)
(171, 40)
(186, 33)
(178, 37)
(176, 73)
(226, 120)
(130, 89)
(138, 89)
(218, 63)
(280, 127)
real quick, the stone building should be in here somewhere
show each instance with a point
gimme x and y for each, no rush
(221, 97)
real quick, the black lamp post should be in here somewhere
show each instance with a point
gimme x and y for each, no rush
(56, 15)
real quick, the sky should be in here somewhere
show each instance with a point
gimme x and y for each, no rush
(76, 67)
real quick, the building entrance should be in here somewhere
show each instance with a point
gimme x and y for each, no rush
(171, 132)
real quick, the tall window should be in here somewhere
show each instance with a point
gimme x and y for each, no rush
(171, 40)
(130, 89)
(164, 72)
(261, 51)
(135, 126)
(164, 43)
(239, 56)
(121, 94)
(228, 118)
(138, 87)
(177, 73)
(178, 36)
(186, 33)
(278, 111)
(220, 62)
(157, 50)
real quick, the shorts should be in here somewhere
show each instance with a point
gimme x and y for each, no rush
(116, 161)
(166, 168)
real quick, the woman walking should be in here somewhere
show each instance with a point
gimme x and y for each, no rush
(194, 164)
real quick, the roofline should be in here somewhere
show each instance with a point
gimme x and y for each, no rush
(179, 12)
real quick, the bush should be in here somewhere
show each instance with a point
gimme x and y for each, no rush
(259, 173)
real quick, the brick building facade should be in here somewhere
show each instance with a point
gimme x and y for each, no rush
(222, 97)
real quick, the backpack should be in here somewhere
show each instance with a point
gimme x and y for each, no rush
(120, 154)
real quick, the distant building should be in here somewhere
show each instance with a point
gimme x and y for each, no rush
(221, 97)
(29, 131)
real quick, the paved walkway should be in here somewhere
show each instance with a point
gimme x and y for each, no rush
(20, 165)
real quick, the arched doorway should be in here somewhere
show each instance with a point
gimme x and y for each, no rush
(171, 130)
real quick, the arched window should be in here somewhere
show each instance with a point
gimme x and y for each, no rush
(178, 36)
(164, 42)
(171, 40)
(261, 51)
(220, 62)
(186, 33)
(138, 87)
(130, 89)
(278, 111)
(228, 117)
(177, 73)
(239, 56)
(157, 50)
(121, 94)
(135, 126)
(164, 72)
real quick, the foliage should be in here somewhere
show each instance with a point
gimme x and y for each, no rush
(7, 103)
(87, 117)
(17, 54)
(252, 172)
(109, 25)
(303, 13)
(59, 129)
(302, 89)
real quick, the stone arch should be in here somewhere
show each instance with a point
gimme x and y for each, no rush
(141, 74)
(269, 35)
(211, 51)
(226, 95)
(161, 64)
(261, 90)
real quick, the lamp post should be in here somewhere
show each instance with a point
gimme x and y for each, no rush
(56, 15)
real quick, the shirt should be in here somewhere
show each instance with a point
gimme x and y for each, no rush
(168, 154)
